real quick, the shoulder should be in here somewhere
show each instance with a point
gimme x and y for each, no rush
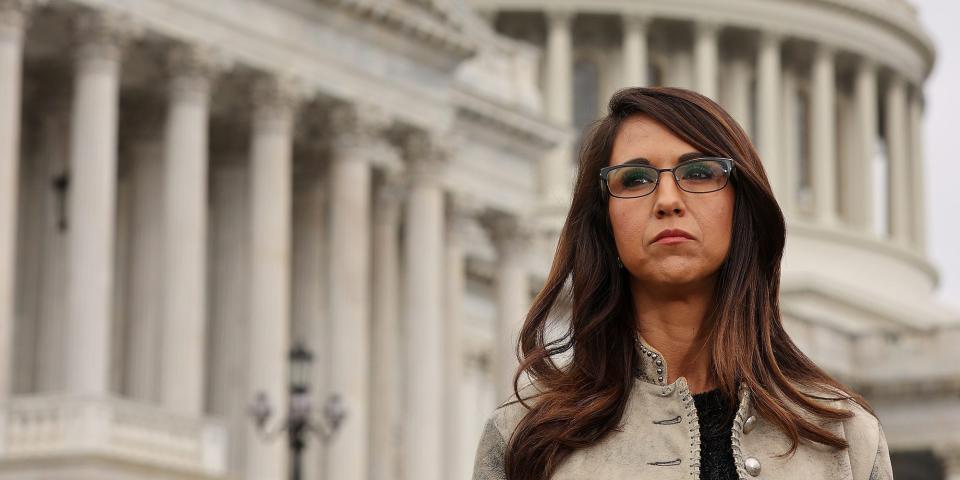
(508, 414)
(499, 426)
(863, 431)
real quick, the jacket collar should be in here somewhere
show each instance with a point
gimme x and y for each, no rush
(652, 367)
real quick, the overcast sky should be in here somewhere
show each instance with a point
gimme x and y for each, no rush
(941, 127)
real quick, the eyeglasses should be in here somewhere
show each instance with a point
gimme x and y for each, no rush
(703, 175)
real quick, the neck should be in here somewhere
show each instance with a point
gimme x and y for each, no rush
(676, 327)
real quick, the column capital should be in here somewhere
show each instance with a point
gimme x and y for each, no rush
(102, 35)
(824, 51)
(867, 65)
(426, 154)
(14, 15)
(950, 456)
(509, 234)
(390, 194)
(560, 17)
(770, 38)
(192, 68)
(463, 209)
(354, 125)
(706, 27)
(275, 101)
(635, 21)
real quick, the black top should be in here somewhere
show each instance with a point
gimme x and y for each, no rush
(716, 416)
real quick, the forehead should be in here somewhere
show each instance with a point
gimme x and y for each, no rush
(640, 136)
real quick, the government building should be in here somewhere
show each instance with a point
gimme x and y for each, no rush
(219, 218)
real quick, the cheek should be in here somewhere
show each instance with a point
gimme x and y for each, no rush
(717, 223)
(628, 227)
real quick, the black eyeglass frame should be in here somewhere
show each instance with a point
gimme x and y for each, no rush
(728, 163)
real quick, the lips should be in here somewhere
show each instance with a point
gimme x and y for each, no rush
(672, 232)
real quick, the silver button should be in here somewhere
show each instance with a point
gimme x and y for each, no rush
(752, 465)
(749, 424)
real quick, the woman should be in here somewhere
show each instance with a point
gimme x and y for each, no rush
(677, 363)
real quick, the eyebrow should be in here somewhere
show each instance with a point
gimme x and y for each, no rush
(686, 157)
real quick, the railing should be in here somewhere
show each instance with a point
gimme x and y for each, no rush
(47, 427)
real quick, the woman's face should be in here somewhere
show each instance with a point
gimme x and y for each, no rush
(707, 217)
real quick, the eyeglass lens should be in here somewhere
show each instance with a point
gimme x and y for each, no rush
(699, 176)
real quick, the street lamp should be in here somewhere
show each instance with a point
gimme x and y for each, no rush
(298, 422)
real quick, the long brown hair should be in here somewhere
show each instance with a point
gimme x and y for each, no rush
(584, 399)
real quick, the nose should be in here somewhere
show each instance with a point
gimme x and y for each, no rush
(669, 196)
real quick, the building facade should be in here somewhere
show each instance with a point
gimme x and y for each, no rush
(188, 189)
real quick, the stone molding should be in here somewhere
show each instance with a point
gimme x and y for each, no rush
(404, 19)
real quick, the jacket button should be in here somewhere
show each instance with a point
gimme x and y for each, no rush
(749, 424)
(752, 465)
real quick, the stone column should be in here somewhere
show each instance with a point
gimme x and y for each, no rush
(705, 49)
(92, 207)
(735, 94)
(823, 136)
(144, 303)
(510, 239)
(11, 69)
(861, 185)
(385, 416)
(459, 217)
(635, 50)
(768, 109)
(918, 212)
(424, 324)
(360, 130)
(789, 142)
(556, 166)
(898, 167)
(185, 231)
(271, 158)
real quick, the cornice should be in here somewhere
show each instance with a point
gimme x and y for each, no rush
(425, 22)
(896, 16)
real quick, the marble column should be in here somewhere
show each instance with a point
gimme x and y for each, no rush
(555, 171)
(461, 213)
(185, 230)
(897, 152)
(705, 51)
(423, 293)
(12, 21)
(385, 388)
(823, 136)
(360, 130)
(768, 109)
(144, 303)
(271, 152)
(735, 95)
(789, 142)
(309, 319)
(635, 50)
(92, 207)
(861, 185)
(917, 189)
(510, 239)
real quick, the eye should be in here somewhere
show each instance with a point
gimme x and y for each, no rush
(636, 176)
(699, 171)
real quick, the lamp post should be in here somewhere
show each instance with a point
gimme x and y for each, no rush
(298, 422)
